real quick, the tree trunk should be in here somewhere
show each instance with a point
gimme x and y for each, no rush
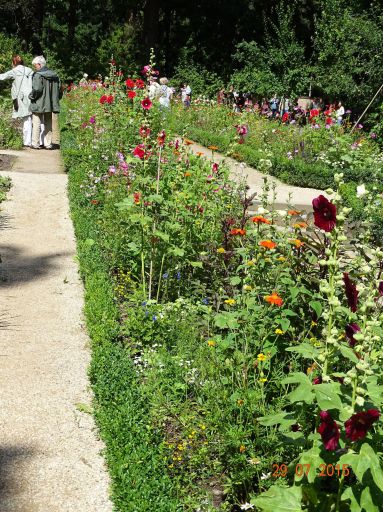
(151, 24)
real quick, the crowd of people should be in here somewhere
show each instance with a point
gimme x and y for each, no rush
(160, 89)
(35, 96)
(301, 110)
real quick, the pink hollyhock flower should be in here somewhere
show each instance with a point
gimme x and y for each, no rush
(139, 151)
(214, 167)
(112, 170)
(329, 431)
(359, 423)
(92, 120)
(132, 94)
(351, 292)
(144, 131)
(146, 104)
(324, 213)
(130, 83)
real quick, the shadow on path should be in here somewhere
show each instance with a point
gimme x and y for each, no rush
(17, 267)
(10, 458)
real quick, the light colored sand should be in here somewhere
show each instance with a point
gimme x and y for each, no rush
(49, 451)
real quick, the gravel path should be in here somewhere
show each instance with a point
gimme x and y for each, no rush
(301, 198)
(49, 451)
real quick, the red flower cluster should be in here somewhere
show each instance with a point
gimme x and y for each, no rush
(106, 99)
(139, 151)
(356, 427)
(132, 94)
(146, 104)
(324, 213)
(130, 84)
(144, 131)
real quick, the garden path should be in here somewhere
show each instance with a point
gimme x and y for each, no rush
(49, 451)
(301, 198)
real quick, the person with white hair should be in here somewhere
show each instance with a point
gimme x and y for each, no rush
(166, 93)
(21, 77)
(45, 100)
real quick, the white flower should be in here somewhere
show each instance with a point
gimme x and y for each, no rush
(361, 191)
(265, 476)
(282, 213)
(246, 506)
(262, 211)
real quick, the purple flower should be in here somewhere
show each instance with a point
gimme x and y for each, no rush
(351, 292)
(373, 135)
(154, 318)
(359, 126)
(112, 169)
(380, 288)
(205, 301)
(92, 120)
(329, 431)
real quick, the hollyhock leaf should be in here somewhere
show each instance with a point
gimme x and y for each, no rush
(327, 396)
(348, 353)
(282, 418)
(284, 323)
(296, 378)
(283, 499)
(353, 495)
(316, 306)
(235, 280)
(368, 459)
(305, 350)
(366, 501)
(374, 391)
(313, 458)
(303, 393)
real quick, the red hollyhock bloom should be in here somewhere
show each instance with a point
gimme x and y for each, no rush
(146, 104)
(380, 288)
(140, 84)
(139, 151)
(161, 138)
(324, 213)
(130, 83)
(103, 99)
(317, 380)
(359, 423)
(144, 131)
(351, 292)
(329, 431)
(285, 117)
(214, 167)
(314, 112)
(109, 99)
(132, 94)
(352, 329)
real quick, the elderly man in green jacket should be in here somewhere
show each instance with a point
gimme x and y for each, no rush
(44, 101)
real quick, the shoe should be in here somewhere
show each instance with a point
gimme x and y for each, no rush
(35, 147)
(48, 147)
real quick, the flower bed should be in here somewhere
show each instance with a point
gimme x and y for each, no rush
(234, 361)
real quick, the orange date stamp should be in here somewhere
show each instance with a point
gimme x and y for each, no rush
(323, 470)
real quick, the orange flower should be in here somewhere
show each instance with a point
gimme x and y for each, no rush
(242, 448)
(267, 244)
(188, 142)
(213, 148)
(187, 174)
(258, 219)
(238, 231)
(297, 243)
(199, 153)
(274, 298)
(298, 225)
(293, 212)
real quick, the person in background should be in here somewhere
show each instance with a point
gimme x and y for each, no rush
(274, 102)
(265, 107)
(21, 87)
(45, 100)
(154, 89)
(166, 93)
(186, 95)
(339, 113)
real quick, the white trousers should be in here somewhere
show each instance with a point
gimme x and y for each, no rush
(42, 129)
(27, 130)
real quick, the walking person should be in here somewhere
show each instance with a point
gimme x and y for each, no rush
(45, 97)
(21, 88)
(166, 93)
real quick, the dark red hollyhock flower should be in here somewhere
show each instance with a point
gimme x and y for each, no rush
(317, 380)
(113, 62)
(351, 292)
(144, 131)
(146, 104)
(103, 99)
(132, 94)
(324, 213)
(352, 329)
(130, 83)
(380, 288)
(214, 167)
(329, 431)
(140, 84)
(359, 423)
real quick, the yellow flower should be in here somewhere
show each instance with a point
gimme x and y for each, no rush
(279, 331)
(230, 302)
(221, 250)
(242, 448)
(253, 461)
(202, 427)
(261, 357)
(313, 324)
(240, 401)
(262, 380)
(211, 343)
(281, 258)
(180, 447)
(247, 288)
(250, 263)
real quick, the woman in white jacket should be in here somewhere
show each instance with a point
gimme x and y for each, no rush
(21, 87)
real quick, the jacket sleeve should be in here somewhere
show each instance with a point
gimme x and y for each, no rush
(7, 75)
(37, 87)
